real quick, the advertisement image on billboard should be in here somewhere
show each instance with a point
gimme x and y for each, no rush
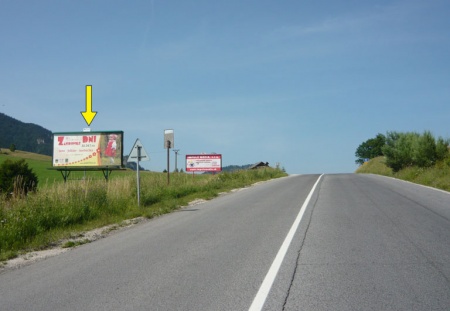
(204, 163)
(88, 149)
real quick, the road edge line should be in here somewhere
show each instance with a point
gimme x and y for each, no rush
(412, 183)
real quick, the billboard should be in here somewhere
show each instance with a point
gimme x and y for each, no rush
(204, 163)
(88, 149)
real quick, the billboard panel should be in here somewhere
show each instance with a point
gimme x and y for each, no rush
(204, 163)
(90, 149)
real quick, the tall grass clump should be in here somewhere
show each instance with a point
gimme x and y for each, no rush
(23, 219)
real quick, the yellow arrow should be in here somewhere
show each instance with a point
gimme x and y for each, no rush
(88, 114)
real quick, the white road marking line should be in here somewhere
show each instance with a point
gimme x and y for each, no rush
(263, 292)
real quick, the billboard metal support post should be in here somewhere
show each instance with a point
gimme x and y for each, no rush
(176, 159)
(168, 144)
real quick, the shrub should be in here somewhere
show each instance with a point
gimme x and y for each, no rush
(16, 177)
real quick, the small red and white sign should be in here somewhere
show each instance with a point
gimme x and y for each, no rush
(204, 163)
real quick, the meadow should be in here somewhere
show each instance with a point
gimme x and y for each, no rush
(59, 210)
(41, 164)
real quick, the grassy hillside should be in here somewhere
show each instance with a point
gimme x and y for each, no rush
(437, 176)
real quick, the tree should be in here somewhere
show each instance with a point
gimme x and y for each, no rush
(442, 151)
(370, 149)
(17, 177)
(399, 149)
(425, 150)
(12, 147)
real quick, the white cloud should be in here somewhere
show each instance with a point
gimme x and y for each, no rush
(365, 21)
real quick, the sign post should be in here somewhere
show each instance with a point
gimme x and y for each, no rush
(138, 177)
(138, 153)
(168, 144)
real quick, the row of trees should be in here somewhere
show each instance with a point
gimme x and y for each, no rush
(404, 149)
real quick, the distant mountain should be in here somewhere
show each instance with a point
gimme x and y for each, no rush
(131, 165)
(232, 168)
(25, 136)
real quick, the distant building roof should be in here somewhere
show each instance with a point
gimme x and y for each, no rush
(259, 164)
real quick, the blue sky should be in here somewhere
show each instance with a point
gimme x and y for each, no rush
(302, 83)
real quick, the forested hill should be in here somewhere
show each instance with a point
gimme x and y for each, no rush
(25, 136)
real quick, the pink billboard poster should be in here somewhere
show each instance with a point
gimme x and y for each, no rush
(89, 149)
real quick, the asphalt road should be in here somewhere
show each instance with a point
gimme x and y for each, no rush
(363, 243)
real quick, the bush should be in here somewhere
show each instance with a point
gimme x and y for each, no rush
(404, 150)
(16, 177)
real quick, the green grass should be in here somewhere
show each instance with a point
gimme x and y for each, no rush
(42, 164)
(375, 166)
(437, 176)
(39, 163)
(59, 210)
(70, 244)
